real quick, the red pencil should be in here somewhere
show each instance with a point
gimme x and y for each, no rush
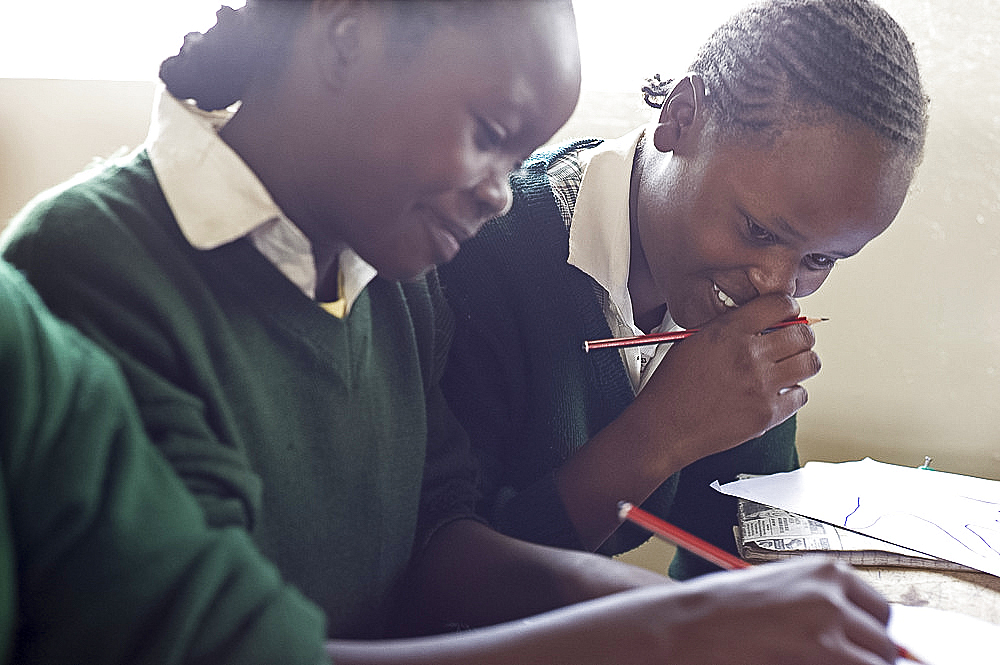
(707, 551)
(677, 335)
(679, 537)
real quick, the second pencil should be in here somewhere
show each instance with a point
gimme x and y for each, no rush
(675, 336)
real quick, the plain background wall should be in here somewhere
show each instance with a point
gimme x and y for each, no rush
(912, 352)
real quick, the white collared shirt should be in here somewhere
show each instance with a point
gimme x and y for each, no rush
(600, 245)
(216, 197)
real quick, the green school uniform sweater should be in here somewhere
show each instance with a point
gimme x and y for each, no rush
(529, 396)
(104, 555)
(308, 431)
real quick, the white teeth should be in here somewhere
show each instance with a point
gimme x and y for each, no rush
(724, 297)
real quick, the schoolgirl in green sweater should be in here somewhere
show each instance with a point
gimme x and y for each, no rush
(788, 146)
(264, 276)
(105, 557)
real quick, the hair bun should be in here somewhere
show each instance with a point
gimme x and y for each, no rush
(214, 68)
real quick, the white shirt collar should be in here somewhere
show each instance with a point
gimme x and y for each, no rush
(216, 197)
(600, 243)
(600, 236)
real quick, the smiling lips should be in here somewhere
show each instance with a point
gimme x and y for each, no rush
(446, 244)
(448, 236)
(723, 297)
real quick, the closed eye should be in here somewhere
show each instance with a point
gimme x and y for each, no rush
(758, 232)
(489, 135)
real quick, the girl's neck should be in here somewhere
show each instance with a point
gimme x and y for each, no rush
(259, 143)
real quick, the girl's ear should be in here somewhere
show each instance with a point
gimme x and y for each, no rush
(338, 27)
(682, 115)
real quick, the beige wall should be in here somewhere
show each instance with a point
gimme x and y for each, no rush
(912, 356)
(912, 353)
(51, 129)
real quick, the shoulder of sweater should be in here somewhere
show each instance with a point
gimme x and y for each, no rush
(548, 154)
(90, 207)
(534, 202)
(534, 221)
(108, 177)
(432, 320)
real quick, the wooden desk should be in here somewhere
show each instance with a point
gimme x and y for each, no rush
(972, 593)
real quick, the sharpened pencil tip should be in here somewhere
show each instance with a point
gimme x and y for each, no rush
(906, 654)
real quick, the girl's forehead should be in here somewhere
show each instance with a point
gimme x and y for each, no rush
(823, 180)
(830, 142)
(528, 81)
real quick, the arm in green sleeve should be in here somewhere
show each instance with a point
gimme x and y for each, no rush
(107, 557)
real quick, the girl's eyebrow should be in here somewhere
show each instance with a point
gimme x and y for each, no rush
(790, 230)
(787, 228)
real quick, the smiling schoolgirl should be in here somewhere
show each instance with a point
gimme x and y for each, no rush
(787, 146)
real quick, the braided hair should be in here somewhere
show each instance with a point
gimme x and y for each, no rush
(215, 68)
(785, 61)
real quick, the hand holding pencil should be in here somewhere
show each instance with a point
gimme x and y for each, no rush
(723, 386)
(681, 538)
(727, 383)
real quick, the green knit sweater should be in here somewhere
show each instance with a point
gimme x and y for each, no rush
(308, 431)
(104, 555)
(529, 396)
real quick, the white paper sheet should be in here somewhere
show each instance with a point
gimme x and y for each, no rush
(946, 515)
(944, 638)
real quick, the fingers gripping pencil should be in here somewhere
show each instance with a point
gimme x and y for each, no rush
(707, 551)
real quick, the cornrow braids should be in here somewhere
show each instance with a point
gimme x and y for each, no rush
(215, 68)
(783, 61)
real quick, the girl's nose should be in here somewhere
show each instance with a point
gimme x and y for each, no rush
(777, 276)
(493, 194)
